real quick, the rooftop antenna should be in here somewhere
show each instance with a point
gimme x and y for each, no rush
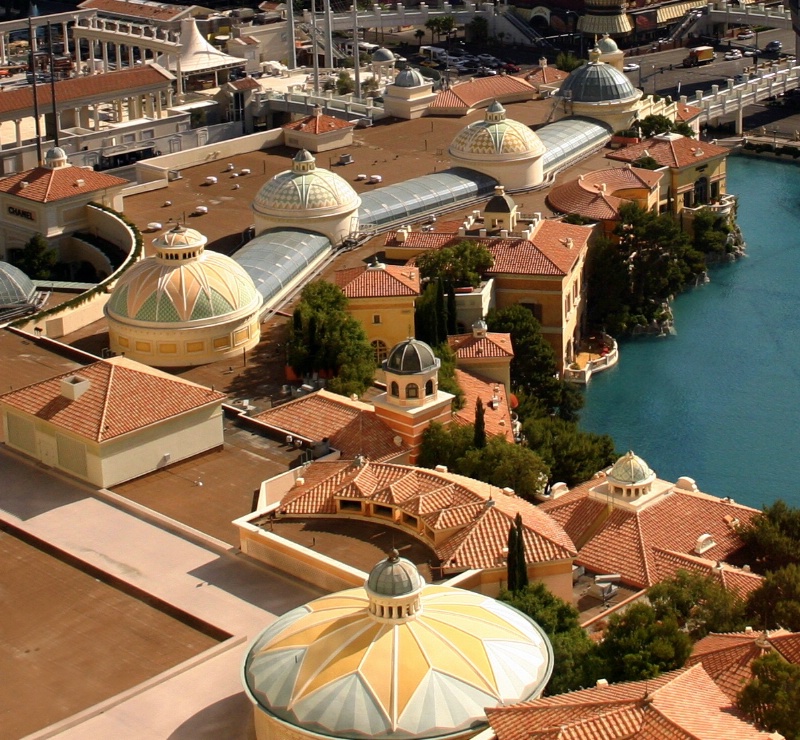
(32, 65)
(356, 51)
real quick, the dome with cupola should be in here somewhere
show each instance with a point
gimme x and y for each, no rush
(308, 197)
(631, 470)
(607, 45)
(410, 77)
(501, 148)
(382, 55)
(598, 82)
(496, 136)
(395, 659)
(184, 305)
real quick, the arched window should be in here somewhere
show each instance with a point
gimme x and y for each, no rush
(412, 390)
(701, 190)
(381, 351)
(395, 389)
(429, 388)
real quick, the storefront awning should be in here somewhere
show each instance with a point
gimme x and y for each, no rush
(600, 24)
(669, 13)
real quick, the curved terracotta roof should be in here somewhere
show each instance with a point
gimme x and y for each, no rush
(593, 195)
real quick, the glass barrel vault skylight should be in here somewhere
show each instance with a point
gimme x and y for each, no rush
(571, 139)
(419, 196)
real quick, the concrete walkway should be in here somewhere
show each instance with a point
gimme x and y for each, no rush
(202, 697)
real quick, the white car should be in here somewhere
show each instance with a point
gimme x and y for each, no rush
(733, 54)
(630, 67)
(746, 35)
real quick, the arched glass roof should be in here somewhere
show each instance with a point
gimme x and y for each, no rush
(570, 139)
(16, 288)
(274, 258)
(420, 195)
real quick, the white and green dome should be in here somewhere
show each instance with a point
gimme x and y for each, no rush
(598, 82)
(631, 470)
(305, 190)
(410, 77)
(607, 45)
(182, 284)
(496, 138)
(16, 288)
(394, 660)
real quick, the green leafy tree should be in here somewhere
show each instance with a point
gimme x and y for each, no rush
(326, 338)
(460, 265)
(772, 697)
(572, 455)
(776, 602)
(566, 61)
(479, 439)
(444, 445)
(441, 313)
(655, 124)
(447, 374)
(560, 621)
(506, 465)
(710, 232)
(36, 259)
(478, 30)
(773, 537)
(638, 645)
(344, 83)
(646, 162)
(699, 603)
(452, 311)
(426, 321)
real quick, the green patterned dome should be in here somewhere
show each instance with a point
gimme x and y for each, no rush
(496, 138)
(182, 283)
(304, 189)
(598, 82)
(631, 470)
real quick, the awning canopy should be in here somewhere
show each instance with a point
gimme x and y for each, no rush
(669, 13)
(600, 24)
(197, 55)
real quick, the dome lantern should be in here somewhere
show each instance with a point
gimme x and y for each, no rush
(630, 476)
(303, 162)
(179, 244)
(393, 587)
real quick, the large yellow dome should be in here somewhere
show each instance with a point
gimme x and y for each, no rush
(496, 138)
(182, 283)
(395, 659)
(305, 190)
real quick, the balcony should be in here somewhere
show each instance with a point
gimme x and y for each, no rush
(595, 354)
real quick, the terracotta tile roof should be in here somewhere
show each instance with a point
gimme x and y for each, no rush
(351, 426)
(727, 657)
(545, 76)
(688, 112)
(45, 185)
(480, 514)
(662, 708)
(546, 253)
(673, 151)
(497, 421)
(150, 11)
(493, 344)
(633, 543)
(247, 83)
(122, 396)
(101, 86)
(478, 90)
(386, 282)
(593, 195)
(668, 563)
(318, 124)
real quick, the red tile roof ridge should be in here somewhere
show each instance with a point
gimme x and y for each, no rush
(670, 152)
(368, 282)
(465, 345)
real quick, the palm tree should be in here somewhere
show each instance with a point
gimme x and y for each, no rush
(434, 26)
(419, 34)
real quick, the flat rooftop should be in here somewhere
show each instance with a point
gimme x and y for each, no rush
(75, 640)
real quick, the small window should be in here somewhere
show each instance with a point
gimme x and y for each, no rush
(395, 389)
(376, 318)
(412, 390)
(381, 351)
(429, 388)
(379, 510)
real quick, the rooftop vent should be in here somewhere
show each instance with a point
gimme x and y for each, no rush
(601, 682)
(74, 386)
(441, 468)
(704, 543)
(685, 483)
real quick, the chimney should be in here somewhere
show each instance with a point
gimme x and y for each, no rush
(601, 682)
(748, 630)
(542, 62)
(74, 386)
(300, 481)
(80, 182)
(504, 233)
(401, 235)
(441, 468)
(508, 491)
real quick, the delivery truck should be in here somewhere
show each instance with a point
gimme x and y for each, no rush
(698, 56)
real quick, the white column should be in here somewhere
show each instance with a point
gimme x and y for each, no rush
(3, 59)
(78, 63)
(158, 104)
(18, 127)
(130, 56)
(148, 105)
(105, 55)
(66, 37)
(97, 116)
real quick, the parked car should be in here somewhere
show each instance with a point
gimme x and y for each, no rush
(733, 54)
(773, 47)
(486, 72)
(746, 35)
(511, 67)
(630, 67)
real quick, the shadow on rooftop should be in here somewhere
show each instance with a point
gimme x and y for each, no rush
(231, 718)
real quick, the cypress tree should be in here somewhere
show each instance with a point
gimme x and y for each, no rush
(520, 561)
(479, 439)
(511, 558)
(452, 313)
(441, 313)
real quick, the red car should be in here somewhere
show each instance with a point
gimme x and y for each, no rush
(513, 68)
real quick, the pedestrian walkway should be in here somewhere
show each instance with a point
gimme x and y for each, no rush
(222, 589)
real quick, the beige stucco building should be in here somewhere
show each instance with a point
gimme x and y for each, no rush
(409, 96)
(184, 305)
(112, 421)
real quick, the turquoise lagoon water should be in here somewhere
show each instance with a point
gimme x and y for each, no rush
(719, 401)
